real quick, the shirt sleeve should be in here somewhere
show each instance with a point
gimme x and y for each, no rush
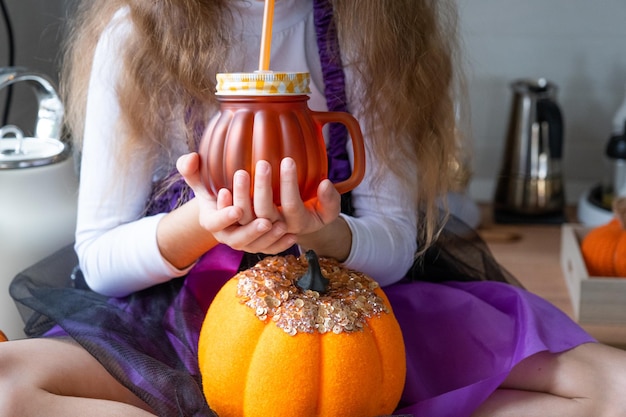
(116, 246)
(383, 226)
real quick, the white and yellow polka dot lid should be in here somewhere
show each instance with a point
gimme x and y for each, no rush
(263, 83)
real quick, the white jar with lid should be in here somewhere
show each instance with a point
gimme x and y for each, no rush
(38, 193)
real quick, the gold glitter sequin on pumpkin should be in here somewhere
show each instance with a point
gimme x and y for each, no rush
(269, 289)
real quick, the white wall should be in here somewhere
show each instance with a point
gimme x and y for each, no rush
(578, 44)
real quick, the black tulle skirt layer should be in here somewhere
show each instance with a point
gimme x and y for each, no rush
(466, 323)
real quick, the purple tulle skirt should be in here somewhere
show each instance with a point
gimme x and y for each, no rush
(462, 338)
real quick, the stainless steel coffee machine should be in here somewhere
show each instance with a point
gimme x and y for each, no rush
(530, 184)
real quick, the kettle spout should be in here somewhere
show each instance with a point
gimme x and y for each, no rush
(50, 114)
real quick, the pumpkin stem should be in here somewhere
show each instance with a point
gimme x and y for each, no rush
(619, 209)
(313, 279)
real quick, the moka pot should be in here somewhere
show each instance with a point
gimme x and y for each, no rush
(530, 181)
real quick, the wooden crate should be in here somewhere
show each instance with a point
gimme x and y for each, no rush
(596, 300)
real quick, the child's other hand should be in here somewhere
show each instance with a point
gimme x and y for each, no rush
(299, 217)
(306, 217)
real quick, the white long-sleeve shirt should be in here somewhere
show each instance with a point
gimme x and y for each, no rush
(117, 245)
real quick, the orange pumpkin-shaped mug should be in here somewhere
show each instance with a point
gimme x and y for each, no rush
(264, 116)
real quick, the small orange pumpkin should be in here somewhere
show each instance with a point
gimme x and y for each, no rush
(3, 337)
(280, 339)
(604, 247)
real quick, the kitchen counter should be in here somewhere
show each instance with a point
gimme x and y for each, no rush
(533, 254)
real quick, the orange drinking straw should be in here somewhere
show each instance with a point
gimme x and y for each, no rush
(266, 36)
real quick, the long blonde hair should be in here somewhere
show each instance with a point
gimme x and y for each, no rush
(403, 50)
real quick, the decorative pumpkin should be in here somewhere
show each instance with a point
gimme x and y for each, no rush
(301, 337)
(604, 247)
(3, 337)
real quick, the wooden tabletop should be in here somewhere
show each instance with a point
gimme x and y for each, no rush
(533, 254)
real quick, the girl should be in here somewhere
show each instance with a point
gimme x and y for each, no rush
(139, 84)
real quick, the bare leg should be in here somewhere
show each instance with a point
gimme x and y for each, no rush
(51, 377)
(589, 380)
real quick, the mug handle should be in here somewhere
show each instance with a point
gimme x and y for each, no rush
(354, 129)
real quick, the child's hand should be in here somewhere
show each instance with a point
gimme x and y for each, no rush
(306, 217)
(229, 216)
(299, 217)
